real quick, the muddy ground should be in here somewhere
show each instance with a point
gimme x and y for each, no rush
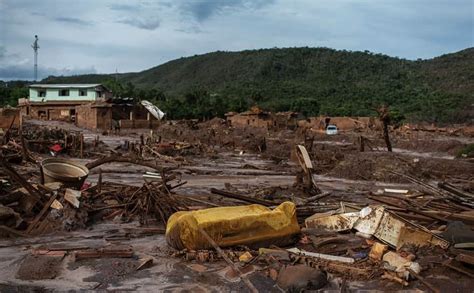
(250, 161)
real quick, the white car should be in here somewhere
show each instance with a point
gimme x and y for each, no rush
(331, 130)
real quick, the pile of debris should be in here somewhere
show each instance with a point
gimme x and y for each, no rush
(299, 236)
(68, 204)
(386, 240)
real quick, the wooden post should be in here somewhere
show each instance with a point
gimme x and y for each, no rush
(21, 120)
(232, 265)
(361, 142)
(74, 145)
(82, 145)
(99, 183)
(150, 122)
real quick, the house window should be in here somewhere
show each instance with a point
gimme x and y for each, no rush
(99, 94)
(42, 93)
(82, 93)
(63, 93)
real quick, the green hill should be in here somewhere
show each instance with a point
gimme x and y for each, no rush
(312, 80)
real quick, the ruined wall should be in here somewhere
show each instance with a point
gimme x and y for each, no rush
(104, 118)
(100, 117)
(139, 123)
(342, 123)
(122, 112)
(7, 115)
(345, 123)
(250, 121)
(284, 121)
(49, 112)
(90, 117)
(86, 116)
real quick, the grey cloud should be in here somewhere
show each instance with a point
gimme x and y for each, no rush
(189, 30)
(7, 57)
(203, 9)
(71, 20)
(136, 15)
(147, 24)
(38, 13)
(405, 28)
(13, 66)
(25, 71)
(124, 7)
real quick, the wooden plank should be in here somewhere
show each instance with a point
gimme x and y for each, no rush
(16, 177)
(42, 212)
(242, 197)
(465, 258)
(227, 259)
(102, 253)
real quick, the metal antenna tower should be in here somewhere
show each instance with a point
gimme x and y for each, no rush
(35, 47)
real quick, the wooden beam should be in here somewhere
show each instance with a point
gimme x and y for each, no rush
(242, 197)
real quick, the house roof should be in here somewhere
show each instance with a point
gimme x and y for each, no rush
(65, 85)
(59, 102)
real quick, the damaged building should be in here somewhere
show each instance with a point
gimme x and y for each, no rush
(59, 101)
(91, 106)
(342, 123)
(121, 112)
(256, 117)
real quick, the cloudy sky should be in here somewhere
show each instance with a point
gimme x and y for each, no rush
(102, 36)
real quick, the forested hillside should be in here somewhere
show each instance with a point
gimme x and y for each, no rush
(312, 80)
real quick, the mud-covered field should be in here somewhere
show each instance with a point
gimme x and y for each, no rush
(254, 162)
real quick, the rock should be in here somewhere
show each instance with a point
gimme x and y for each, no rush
(301, 277)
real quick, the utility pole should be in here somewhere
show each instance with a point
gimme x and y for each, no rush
(35, 47)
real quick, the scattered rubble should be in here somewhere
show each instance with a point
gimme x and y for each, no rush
(252, 208)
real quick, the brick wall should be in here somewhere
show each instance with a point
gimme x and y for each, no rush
(90, 117)
(86, 116)
(49, 112)
(343, 123)
(249, 121)
(104, 118)
(139, 123)
(7, 116)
